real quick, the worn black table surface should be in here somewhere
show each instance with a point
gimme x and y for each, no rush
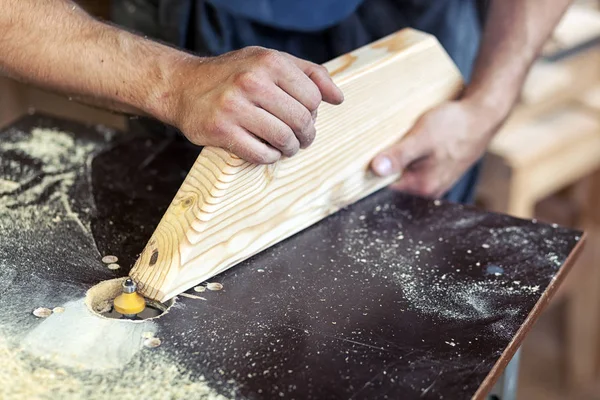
(393, 297)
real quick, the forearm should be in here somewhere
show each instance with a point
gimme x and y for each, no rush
(515, 32)
(56, 45)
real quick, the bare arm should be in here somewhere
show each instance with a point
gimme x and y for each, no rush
(56, 45)
(514, 35)
(446, 141)
(258, 103)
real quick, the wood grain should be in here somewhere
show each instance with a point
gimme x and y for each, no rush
(228, 210)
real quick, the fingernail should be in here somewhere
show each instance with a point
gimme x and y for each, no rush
(382, 166)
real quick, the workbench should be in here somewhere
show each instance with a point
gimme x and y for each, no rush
(393, 297)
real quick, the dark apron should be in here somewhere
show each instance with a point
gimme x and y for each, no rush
(317, 30)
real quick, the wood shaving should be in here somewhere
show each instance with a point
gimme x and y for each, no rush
(103, 307)
(42, 312)
(214, 286)
(110, 259)
(191, 296)
(152, 342)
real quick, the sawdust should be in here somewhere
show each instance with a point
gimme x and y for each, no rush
(37, 165)
(45, 191)
(152, 342)
(431, 280)
(52, 147)
(155, 376)
(191, 296)
(100, 296)
(214, 286)
(42, 312)
(103, 306)
(7, 185)
(109, 259)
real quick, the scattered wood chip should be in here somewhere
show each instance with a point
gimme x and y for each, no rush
(113, 266)
(42, 312)
(191, 296)
(109, 259)
(214, 286)
(147, 335)
(103, 307)
(152, 342)
(58, 310)
(200, 289)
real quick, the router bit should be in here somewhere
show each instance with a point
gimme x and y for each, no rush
(129, 303)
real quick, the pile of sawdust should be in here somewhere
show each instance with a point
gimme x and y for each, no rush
(154, 377)
(34, 198)
(103, 294)
(53, 148)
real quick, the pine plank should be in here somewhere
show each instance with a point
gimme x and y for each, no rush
(228, 210)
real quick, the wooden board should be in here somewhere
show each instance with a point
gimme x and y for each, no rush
(228, 210)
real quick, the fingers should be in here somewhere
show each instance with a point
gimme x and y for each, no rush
(258, 103)
(413, 158)
(246, 146)
(270, 129)
(299, 120)
(400, 156)
(321, 78)
(291, 90)
(297, 84)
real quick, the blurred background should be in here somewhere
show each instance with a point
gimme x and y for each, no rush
(544, 164)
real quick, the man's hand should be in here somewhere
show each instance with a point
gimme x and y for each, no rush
(447, 140)
(259, 104)
(440, 147)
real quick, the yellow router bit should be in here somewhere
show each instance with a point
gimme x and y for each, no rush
(129, 303)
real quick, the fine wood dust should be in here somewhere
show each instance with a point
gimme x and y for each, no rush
(79, 338)
(154, 376)
(45, 195)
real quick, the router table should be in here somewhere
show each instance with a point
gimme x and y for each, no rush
(392, 297)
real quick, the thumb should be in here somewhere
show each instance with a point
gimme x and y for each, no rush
(399, 156)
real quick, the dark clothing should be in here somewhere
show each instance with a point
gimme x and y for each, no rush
(316, 30)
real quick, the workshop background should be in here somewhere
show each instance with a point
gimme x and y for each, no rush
(544, 164)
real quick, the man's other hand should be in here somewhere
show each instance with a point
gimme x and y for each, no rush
(438, 150)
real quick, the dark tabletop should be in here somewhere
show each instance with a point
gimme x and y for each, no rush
(393, 297)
